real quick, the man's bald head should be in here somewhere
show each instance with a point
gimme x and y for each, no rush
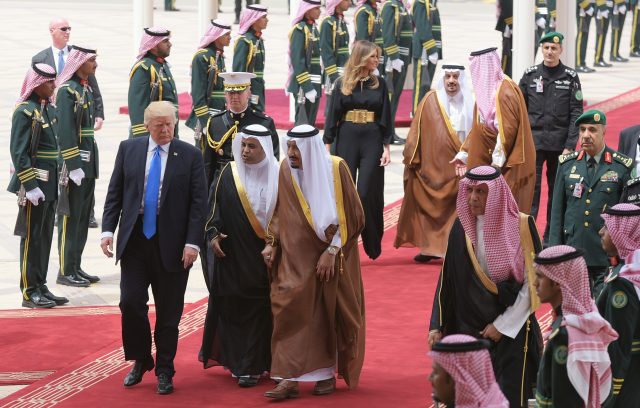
(60, 31)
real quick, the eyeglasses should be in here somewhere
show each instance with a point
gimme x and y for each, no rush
(65, 29)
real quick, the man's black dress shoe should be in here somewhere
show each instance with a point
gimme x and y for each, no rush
(397, 140)
(619, 59)
(165, 384)
(72, 280)
(602, 64)
(58, 300)
(635, 54)
(90, 278)
(421, 258)
(583, 69)
(93, 223)
(247, 381)
(136, 373)
(37, 301)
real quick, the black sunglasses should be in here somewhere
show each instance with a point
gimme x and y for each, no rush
(65, 29)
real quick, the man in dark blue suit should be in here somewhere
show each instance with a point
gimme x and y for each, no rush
(158, 195)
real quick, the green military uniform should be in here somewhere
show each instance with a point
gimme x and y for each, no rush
(635, 28)
(170, 5)
(397, 35)
(553, 15)
(143, 74)
(207, 90)
(334, 50)
(368, 27)
(248, 56)
(36, 246)
(619, 304)
(602, 26)
(617, 24)
(505, 26)
(426, 41)
(553, 388)
(79, 150)
(541, 11)
(304, 45)
(585, 10)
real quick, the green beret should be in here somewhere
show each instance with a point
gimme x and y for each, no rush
(552, 37)
(592, 117)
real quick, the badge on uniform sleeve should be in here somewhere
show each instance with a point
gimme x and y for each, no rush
(560, 355)
(578, 95)
(610, 176)
(578, 188)
(619, 299)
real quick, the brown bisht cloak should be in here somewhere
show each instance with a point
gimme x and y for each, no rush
(312, 319)
(519, 169)
(430, 182)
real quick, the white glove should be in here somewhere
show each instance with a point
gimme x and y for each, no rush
(397, 64)
(311, 95)
(433, 58)
(507, 32)
(622, 9)
(605, 13)
(552, 23)
(35, 195)
(589, 11)
(541, 22)
(76, 176)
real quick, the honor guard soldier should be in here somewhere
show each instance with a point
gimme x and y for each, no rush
(542, 22)
(304, 81)
(426, 47)
(34, 153)
(334, 43)
(76, 117)
(150, 78)
(603, 16)
(368, 26)
(553, 96)
(585, 11)
(619, 302)
(617, 24)
(248, 51)
(397, 34)
(505, 26)
(587, 181)
(207, 91)
(635, 29)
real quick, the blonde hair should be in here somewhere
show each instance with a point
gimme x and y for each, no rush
(356, 67)
(160, 108)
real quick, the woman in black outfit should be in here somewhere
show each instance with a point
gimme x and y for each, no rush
(359, 120)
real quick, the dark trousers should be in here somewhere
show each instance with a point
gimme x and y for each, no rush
(397, 81)
(602, 26)
(551, 158)
(72, 230)
(239, 6)
(421, 81)
(36, 247)
(596, 279)
(581, 39)
(310, 110)
(141, 266)
(169, 4)
(635, 30)
(616, 33)
(507, 44)
(362, 150)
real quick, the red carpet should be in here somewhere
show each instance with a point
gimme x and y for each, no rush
(278, 108)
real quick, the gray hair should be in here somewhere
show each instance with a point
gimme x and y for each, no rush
(160, 108)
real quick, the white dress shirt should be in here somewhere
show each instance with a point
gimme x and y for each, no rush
(56, 55)
(455, 109)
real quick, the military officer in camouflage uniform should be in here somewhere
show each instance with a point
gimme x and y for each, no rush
(305, 72)
(587, 181)
(79, 151)
(619, 302)
(248, 51)
(585, 9)
(334, 43)
(36, 177)
(150, 78)
(426, 48)
(368, 26)
(207, 91)
(397, 34)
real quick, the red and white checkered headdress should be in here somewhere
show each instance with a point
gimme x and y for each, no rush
(77, 57)
(623, 223)
(150, 38)
(486, 76)
(467, 361)
(588, 363)
(37, 75)
(218, 29)
(501, 223)
(303, 7)
(250, 15)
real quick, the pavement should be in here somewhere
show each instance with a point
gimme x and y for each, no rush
(467, 26)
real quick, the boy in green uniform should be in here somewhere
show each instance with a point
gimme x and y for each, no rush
(304, 81)
(207, 90)
(426, 47)
(334, 43)
(76, 117)
(619, 302)
(248, 51)
(34, 153)
(150, 78)
(368, 26)
(575, 370)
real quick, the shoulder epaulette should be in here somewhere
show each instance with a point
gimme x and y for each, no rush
(621, 158)
(22, 105)
(633, 181)
(566, 157)
(612, 275)
(571, 72)
(259, 114)
(200, 51)
(139, 64)
(531, 69)
(555, 328)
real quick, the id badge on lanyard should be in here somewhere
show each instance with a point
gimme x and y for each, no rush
(578, 188)
(539, 85)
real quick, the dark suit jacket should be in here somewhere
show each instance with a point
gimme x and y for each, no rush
(628, 142)
(183, 199)
(46, 56)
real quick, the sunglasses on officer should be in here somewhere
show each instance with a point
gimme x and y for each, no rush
(65, 29)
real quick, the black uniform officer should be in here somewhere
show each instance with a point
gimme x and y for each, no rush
(553, 96)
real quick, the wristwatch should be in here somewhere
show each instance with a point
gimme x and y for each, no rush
(332, 249)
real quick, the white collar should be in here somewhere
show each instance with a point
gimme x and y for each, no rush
(153, 144)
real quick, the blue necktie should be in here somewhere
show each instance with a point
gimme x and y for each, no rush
(60, 61)
(151, 195)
